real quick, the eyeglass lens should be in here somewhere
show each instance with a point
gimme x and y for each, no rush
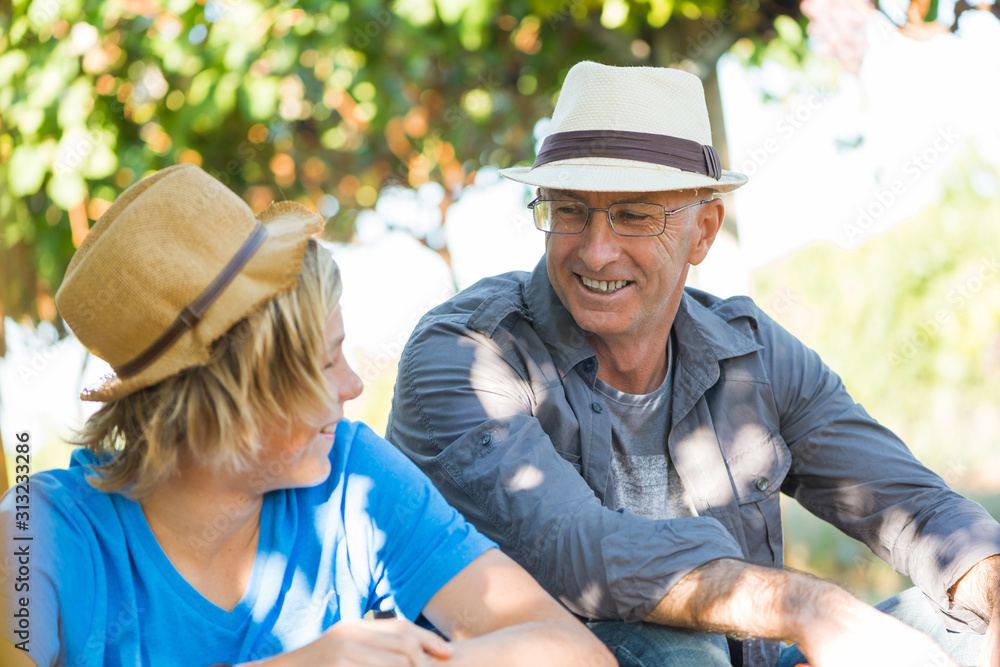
(569, 217)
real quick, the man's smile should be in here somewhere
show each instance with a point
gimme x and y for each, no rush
(604, 286)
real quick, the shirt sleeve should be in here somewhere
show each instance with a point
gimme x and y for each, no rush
(417, 542)
(464, 411)
(853, 472)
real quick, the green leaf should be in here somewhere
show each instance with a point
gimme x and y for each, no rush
(659, 12)
(225, 92)
(76, 103)
(415, 12)
(28, 119)
(789, 30)
(101, 163)
(12, 63)
(28, 166)
(200, 86)
(451, 11)
(178, 7)
(262, 97)
(47, 85)
(67, 190)
(18, 29)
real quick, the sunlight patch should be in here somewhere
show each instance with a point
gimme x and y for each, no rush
(527, 477)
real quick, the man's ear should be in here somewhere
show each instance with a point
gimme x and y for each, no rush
(706, 228)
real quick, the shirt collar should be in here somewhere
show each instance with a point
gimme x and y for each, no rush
(566, 341)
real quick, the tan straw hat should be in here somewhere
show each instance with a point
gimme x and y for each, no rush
(628, 129)
(169, 268)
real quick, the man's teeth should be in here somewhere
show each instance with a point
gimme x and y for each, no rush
(605, 286)
(329, 428)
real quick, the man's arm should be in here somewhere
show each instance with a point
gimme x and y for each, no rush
(830, 625)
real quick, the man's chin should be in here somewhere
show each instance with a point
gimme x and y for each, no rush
(601, 324)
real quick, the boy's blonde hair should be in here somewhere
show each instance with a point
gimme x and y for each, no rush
(264, 375)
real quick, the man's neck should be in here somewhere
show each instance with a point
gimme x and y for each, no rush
(634, 367)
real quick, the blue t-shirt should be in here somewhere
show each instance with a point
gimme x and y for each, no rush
(375, 535)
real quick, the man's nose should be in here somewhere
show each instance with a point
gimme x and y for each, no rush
(599, 243)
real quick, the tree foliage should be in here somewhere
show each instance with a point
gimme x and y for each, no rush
(321, 102)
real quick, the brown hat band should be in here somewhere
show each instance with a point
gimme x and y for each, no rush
(190, 316)
(683, 154)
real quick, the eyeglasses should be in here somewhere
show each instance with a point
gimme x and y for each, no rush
(555, 216)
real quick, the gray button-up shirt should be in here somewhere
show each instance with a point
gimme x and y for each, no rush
(495, 401)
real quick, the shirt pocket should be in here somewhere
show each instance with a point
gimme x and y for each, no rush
(758, 469)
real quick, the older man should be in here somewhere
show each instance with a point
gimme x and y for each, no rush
(625, 438)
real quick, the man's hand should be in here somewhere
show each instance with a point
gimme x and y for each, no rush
(845, 631)
(395, 642)
(989, 654)
(832, 627)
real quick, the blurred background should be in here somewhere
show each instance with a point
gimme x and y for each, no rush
(870, 226)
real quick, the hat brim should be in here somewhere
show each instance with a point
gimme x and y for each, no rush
(615, 175)
(273, 269)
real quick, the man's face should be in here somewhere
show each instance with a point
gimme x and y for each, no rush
(619, 287)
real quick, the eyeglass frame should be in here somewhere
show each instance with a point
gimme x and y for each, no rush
(611, 220)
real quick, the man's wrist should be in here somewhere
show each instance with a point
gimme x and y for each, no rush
(812, 603)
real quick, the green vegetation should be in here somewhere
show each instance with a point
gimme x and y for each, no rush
(324, 101)
(911, 322)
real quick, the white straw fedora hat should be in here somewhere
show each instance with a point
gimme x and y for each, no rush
(628, 129)
(169, 268)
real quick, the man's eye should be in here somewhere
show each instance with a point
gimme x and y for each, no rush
(631, 216)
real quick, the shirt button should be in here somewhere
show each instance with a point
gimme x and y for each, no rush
(485, 439)
(588, 365)
(762, 484)
(596, 407)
